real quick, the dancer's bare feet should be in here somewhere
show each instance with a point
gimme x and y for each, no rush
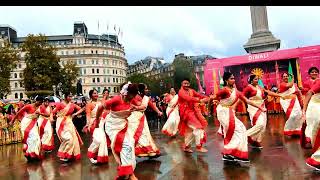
(188, 150)
(133, 177)
(202, 149)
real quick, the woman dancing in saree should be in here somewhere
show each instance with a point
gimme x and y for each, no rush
(98, 149)
(138, 125)
(305, 138)
(68, 135)
(170, 128)
(311, 112)
(235, 136)
(290, 104)
(257, 94)
(45, 128)
(30, 131)
(116, 125)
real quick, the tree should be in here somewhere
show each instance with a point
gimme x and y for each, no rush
(183, 69)
(68, 76)
(8, 61)
(43, 69)
(138, 78)
(42, 64)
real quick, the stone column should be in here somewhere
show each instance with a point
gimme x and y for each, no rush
(261, 40)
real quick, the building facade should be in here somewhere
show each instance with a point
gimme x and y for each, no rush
(100, 58)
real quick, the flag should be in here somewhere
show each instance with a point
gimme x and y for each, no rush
(115, 29)
(290, 72)
(298, 74)
(260, 83)
(220, 80)
(215, 85)
(199, 84)
(277, 74)
(119, 31)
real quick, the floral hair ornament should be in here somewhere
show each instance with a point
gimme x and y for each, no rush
(124, 90)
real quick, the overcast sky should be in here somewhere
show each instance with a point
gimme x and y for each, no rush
(166, 31)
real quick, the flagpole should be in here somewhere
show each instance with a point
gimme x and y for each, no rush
(108, 32)
(98, 32)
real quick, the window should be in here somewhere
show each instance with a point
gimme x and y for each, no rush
(21, 85)
(114, 89)
(84, 71)
(114, 80)
(97, 61)
(109, 88)
(98, 80)
(19, 65)
(96, 51)
(117, 80)
(92, 61)
(67, 52)
(15, 85)
(84, 91)
(97, 71)
(62, 53)
(98, 89)
(104, 80)
(21, 95)
(104, 71)
(16, 95)
(92, 71)
(116, 71)
(74, 52)
(109, 81)
(93, 80)
(20, 75)
(107, 71)
(113, 71)
(83, 61)
(15, 75)
(80, 70)
(79, 61)
(79, 52)
(91, 51)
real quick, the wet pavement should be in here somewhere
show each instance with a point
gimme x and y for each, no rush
(281, 158)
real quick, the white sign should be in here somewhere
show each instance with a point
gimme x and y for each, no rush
(254, 57)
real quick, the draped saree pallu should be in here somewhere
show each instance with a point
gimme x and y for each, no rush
(45, 129)
(192, 123)
(122, 143)
(170, 128)
(293, 112)
(98, 149)
(139, 129)
(31, 139)
(235, 136)
(257, 117)
(70, 139)
(312, 115)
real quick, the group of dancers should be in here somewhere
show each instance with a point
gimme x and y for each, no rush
(119, 123)
(301, 107)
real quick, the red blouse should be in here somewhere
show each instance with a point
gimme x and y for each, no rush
(225, 93)
(60, 106)
(316, 87)
(307, 85)
(118, 104)
(250, 91)
(29, 109)
(189, 97)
